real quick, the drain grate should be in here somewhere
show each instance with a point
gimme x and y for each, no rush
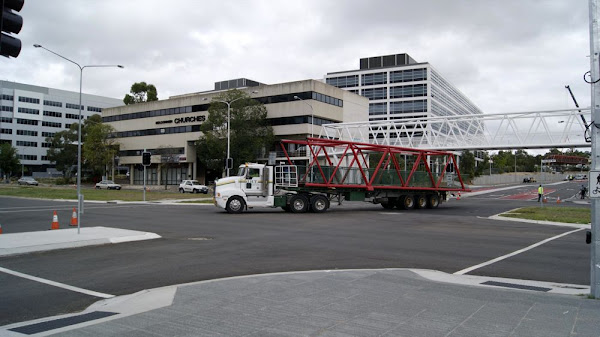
(61, 323)
(515, 286)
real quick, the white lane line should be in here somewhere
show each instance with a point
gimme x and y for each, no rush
(466, 270)
(56, 284)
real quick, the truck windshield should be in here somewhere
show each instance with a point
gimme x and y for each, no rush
(242, 172)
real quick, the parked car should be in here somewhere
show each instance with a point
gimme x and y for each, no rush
(27, 181)
(581, 177)
(108, 184)
(192, 186)
(529, 180)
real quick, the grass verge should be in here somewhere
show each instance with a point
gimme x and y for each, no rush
(578, 215)
(90, 193)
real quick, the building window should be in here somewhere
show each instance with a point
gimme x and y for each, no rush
(72, 116)
(6, 131)
(5, 120)
(94, 109)
(377, 109)
(27, 157)
(27, 133)
(7, 108)
(375, 93)
(53, 103)
(44, 157)
(26, 121)
(415, 90)
(73, 106)
(51, 124)
(8, 98)
(409, 75)
(68, 126)
(26, 143)
(48, 134)
(46, 144)
(409, 106)
(373, 79)
(53, 114)
(29, 100)
(29, 111)
(343, 81)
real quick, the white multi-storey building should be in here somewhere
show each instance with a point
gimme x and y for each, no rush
(400, 88)
(31, 113)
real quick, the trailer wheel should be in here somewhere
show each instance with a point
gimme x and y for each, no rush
(433, 201)
(235, 205)
(298, 203)
(406, 202)
(319, 204)
(420, 201)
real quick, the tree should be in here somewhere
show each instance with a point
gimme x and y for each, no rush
(63, 151)
(467, 164)
(141, 92)
(99, 148)
(9, 159)
(251, 135)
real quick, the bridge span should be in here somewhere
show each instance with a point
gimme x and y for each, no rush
(516, 130)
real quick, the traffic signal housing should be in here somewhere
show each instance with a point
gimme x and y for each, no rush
(10, 22)
(146, 158)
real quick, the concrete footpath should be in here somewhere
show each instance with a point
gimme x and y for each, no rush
(388, 302)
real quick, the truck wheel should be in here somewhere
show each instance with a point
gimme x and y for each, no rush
(298, 203)
(406, 202)
(433, 201)
(420, 201)
(319, 204)
(235, 205)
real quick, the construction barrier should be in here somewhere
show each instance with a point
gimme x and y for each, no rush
(74, 218)
(55, 224)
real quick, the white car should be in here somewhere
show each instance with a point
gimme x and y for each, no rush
(108, 184)
(192, 186)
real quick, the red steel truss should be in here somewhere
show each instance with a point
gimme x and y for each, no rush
(371, 176)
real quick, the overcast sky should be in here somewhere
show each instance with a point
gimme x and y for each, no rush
(506, 56)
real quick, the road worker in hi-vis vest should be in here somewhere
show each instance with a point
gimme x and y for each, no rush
(540, 193)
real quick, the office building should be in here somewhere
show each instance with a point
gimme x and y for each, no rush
(31, 113)
(173, 125)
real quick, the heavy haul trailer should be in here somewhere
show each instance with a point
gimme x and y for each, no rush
(399, 177)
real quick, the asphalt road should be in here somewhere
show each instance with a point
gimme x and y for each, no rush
(201, 242)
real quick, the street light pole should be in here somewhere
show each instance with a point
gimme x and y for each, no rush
(228, 129)
(79, 195)
(312, 114)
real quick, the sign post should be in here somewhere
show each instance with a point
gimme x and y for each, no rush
(146, 161)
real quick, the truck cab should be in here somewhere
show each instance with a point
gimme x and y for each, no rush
(251, 187)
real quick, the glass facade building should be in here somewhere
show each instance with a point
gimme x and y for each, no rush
(400, 88)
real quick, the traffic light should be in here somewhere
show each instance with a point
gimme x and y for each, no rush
(10, 22)
(146, 158)
(228, 163)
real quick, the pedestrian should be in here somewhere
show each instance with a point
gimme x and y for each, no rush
(583, 191)
(540, 193)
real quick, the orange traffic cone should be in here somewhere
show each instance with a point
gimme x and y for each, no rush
(74, 218)
(55, 221)
(558, 200)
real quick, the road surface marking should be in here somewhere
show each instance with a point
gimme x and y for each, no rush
(56, 284)
(470, 269)
(61, 208)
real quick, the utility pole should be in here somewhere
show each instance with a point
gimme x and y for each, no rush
(595, 133)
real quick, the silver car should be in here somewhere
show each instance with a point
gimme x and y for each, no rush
(27, 181)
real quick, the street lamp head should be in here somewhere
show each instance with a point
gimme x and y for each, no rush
(296, 97)
(37, 45)
(120, 66)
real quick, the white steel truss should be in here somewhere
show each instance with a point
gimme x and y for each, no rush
(517, 130)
